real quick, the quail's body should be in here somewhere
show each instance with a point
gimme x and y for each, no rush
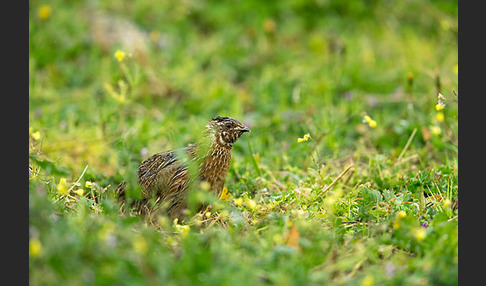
(165, 179)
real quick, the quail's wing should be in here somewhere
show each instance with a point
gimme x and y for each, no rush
(159, 168)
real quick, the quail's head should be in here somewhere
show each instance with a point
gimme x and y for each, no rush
(226, 130)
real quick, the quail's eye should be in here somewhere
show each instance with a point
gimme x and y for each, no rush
(228, 125)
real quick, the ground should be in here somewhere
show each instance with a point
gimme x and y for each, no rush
(349, 175)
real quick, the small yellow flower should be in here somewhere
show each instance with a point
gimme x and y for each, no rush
(456, 69)
(36, 135)
(62, 187)
(371, 122)
(439, 106)
(435, 130)
(224, 194)
(35, 247)
(440, 97)
(208, 214)
(439, 116)
(410, 75)
(119, 55)
(368, 280)
(251, 204)
(396, 224)
(89, 184)
(79, 192)
(401, 214)
(44, 12)
(446, 203)
(183, 230)
(239, 201)
(305, 139)
(31, 130)
(269, 25)
(420, 233)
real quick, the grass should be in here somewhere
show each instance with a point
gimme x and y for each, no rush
(295, 214)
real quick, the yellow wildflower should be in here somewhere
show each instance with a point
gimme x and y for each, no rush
(420, 233)
(368, 280)
(446, 203)
(401, 214)
(440, 102)
(183, 230)
(239, 201)
(44, 12)
(36, 135)
(119, 55)
(251, 204)
(208, 214)
(35, 247)
(456, 69)
(88, 184)
(305, 139)
(371, 122)
(440, 97)
(31, 130)
(269, 25)
(396, 224)
(439, 116)
(79, 192)
(435, 130)
(224, 194)
(410, 75)
(62, 187)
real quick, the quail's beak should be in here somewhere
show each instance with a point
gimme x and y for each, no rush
(245, 129)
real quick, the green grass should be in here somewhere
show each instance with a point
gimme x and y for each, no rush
(285, 69)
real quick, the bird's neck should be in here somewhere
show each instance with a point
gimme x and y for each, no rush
(219, 148)
(211, 145)
(215, 164)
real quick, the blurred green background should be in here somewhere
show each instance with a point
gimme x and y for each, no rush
(112, 82)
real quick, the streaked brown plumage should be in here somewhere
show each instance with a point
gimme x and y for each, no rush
(164, 177)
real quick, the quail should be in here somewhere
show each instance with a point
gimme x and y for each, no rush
(165, 177)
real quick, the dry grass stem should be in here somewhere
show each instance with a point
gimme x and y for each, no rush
(406, 146)
(337, 179)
